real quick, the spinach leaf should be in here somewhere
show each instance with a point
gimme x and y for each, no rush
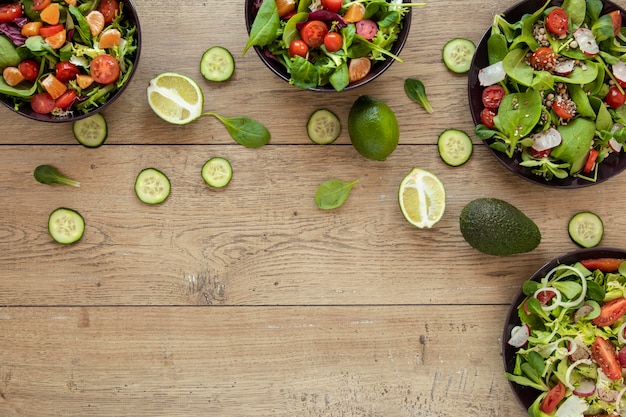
(417, 92)
(81, 27)
(8, 53)
(333, 193)
(543, 80)
(580, 97)
(604, 121)
(291, 33)
(594, 8)
(496, 48)
(16, 91)
(38, 46)
(517, 116)
(515, 66)
(577, 137)
(340, 78)
(603, 28)
(265, 27)
(580, 75)
(244, 130)
(303, 73)
(576, 10)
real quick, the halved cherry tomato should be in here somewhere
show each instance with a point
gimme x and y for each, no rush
(543, 58)
(616, 19)
(492, 96)
(603, 353)
(29, 69)
(610, 312)
(486, 117)
(66, 71)
(367, 28)
(544, 296)
(47, 31)
(109, 8)
(602, 264)
(553, 398)
(313, 33)
(333, 41)
(42, 103)
(564, 109)
(557, 21)
(591, 161)
(105, 69)
(40, 4)
(299, 48)
(66, 100)
(615, 98)
(332, 5)
(10, 12)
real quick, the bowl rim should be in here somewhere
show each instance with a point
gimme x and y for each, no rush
(378, 68)
(610, 167)
(526, 395)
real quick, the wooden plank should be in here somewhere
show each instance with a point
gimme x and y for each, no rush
(309, 361)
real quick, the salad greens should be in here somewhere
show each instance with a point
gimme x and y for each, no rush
(47, 174)
(557, 81)
(333, 193)
(320, 66)
(416, 91)
(566, 315)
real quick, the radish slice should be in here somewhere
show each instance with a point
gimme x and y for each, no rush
(619, 72)
(615, 145)
(519, 336)
(565, 67)
(621, 338)
(492, 74)
(586, 41)
(573, 366)
(586, 388)
(608, 395)
(546, 139)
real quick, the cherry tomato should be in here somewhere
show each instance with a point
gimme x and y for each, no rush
(332, 5)
(29, 69)
(603, 264)
(10, 12)
(616, 19)
(367, 28)
(298, 47)
(543, 58)
(557, 21)
(313, 33)
(611, 312)
(486, 117)
(564, 109)
(614, 97)
(553, 398)
(603, 353)
(66, 100)
(333, 41)
(591, 161)
(66, 71)
(109, 8)
(40, 4)
(492, 96)
(42, 103)
(105, 69)
(47, 31)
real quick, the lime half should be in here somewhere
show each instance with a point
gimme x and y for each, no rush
(422, 198)
(175, 98)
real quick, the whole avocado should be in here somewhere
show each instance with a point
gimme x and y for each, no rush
(495, 227)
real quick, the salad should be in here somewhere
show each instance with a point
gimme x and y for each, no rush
(62, 57)
(553, 93)
(570, 344)
(327, 42)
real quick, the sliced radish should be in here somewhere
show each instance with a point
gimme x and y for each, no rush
(547, 139)
(615, 145)
(619, 72)
(492, 74)
(568, 373)
(586, 41)
(586, 388)
(582, 312)
(608, 395)
(519, 335)
(581, 352)
(565, 67)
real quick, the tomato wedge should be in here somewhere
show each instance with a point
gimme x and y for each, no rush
(611, 312)
(47, 31)
(10, 12)
(603, 264)
(591, 161)
(603, 353)
(553, 398)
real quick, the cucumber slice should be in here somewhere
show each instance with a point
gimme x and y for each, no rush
(457, 55)
(66, 225)
(455, 147)
(152, 186)
(91, 132)
(217, 172)
(217, 64)
(586, 229)
(323, 127)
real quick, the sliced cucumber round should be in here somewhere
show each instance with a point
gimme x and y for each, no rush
(91, 132)
(152, 186)
(217, 64)
(586, 229)
(455, 147)
(457, 55)
(217, 172)
(323, 127)
(66, 225)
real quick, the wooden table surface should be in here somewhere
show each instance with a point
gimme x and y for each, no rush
(251, 301)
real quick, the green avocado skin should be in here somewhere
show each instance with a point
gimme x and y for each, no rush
(496, 227)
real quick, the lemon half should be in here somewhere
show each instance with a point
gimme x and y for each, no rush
(422, 198)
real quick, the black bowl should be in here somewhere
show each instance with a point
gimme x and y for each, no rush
(377, 68)
(526, 395)
(130, 14)
(610, 167)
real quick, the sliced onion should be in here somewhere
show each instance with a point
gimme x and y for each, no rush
(573, 366)
(585, 388)
(492, 74)
(619, 72)
(618, 400)
(586, 41)
(556, 301)
(519, 335)
(546, 139)
(565, 67)
(583, 283)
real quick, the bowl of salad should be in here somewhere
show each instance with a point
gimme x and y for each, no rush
(564, 339)
(63, 61)
(547, 88)
(327, 45)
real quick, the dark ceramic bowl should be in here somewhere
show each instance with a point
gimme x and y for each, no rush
(130, 14)
(377, 67)
(526, 395)
(611, 166)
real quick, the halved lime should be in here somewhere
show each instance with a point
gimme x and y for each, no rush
(175, 98)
